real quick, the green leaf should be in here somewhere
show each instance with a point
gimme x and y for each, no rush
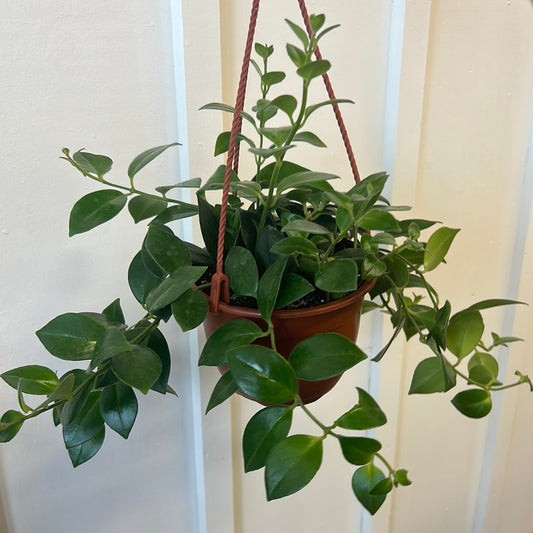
(241, 269)
(503, 341)
(264, 430)
(485, 360)
(93, 163)
(474, 403)
(94, 209)
(304, 178)
(299, 32)
(364, 415)
(312, 108)
(480, 374)
(437, 247)
(272, 78)
(32, 379)
(238, 332)
(158, 344)
(263, 51)
(376, 219)
(313, 69)
(141, 279)
(139, 369)
(364, 480)
(291, 465)
(192, 183)
(112, 342)
(228, 109)
(295, 245)
(400, 477)
(297, 55)
(146, 157)
(168, 251)
(175, 212)
(173, 287)
(119, 407)
(464, 332)
(190, 309)
(269, 152)
(223, 389)
(310, 138)
(323, 356)
(373, 267)
(293, 287)
(431, 375)
(337, 276)
(305, 226)
(316, 22)
(286, 102)
(383, 487)
(71, 336)
(358, 450)
(222, 142)
(268, 288)
(495, 302)
(87, 423)
(262, 374)
(86, 450)
(114, 312)
(9, 417)
(142, 207)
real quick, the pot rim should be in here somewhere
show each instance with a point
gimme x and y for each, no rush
(345, 301)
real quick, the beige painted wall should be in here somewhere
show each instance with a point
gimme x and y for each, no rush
(465, 109)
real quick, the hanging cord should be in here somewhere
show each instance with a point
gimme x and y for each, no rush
(219, 281)
(331, 94)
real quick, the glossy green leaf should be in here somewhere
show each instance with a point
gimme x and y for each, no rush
(437, 247)
(112, 342)
(138, 369)
(359, 450)
(307, 177)
(242, 272)
(114, 312)
(71, 336)
(304, 226)
(376, 219)
(293, 287)
(192, 183)
(69, 410)
(323, 356)
(316, 22)
(93, 163)
(295, 245)
(32, 379)
(262, 374)
(291, 465)
(143, 207)
(9, 432)
(264, 430)
(364, 480)
(158, 344)
(175, 212)
(383, 487)
(373, 267)
(87, 423)
(168, 251)
(118, 406)
(140, 161)
(223, 389)
(474, 403)
(313, 69)
(239, 332)
(87, 450)
(481, 375)
(141, 279)
(337, 276)
(464, 332)
(309, 138)
(263, 51)
(312, 108)
(299, 32)
(268, 288)
(94, 209)
(364, 415)
(173, 287)
(486, 360)
(431, 375)
(494, 302)
(190, 309)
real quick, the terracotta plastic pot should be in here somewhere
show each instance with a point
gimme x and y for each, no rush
(293, 326)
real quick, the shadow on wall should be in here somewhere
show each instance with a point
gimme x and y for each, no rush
(4, 509)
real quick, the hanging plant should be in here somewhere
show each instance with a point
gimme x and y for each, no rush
(280, 245)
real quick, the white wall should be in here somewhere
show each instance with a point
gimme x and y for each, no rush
(101, 75)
